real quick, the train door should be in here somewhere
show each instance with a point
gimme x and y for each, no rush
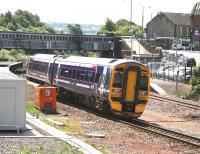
(130, 88)
(131, 84)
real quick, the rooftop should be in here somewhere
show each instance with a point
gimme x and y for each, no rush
(178, 18)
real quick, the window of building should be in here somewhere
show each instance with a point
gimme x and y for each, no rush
(180, 31)
(187, 31)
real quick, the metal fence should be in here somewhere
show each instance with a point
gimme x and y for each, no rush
(170, 72)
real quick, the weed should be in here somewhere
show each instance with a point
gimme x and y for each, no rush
(71, 126)
(30, 108)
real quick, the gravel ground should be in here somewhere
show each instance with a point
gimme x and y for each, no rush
(35, 145)
(174, 116)
(120, 138)
(173, 109)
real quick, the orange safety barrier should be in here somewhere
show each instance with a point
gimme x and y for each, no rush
(46, 98)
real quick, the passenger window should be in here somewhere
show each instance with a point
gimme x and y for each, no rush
(107, 77)
(97, 77)
(78, 74)
(69, 73)
(86, 77)
(91, 76)
(82, 76)
(64, 73)
(73, 74)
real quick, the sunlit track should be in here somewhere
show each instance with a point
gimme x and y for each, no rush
(165, 99)
(149, 127)
(146, 126)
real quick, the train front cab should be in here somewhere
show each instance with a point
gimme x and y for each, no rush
(129, 89)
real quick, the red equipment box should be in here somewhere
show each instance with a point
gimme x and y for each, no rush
(46, 98)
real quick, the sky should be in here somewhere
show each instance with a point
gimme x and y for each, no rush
(96, 11)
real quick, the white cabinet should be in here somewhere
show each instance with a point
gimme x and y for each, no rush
(12, 101)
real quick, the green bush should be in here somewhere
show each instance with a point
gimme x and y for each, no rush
(195, 82)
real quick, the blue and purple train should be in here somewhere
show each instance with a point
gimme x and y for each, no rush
(118, 86)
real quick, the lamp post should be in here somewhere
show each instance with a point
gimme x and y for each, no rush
(177, 67)
(131, 32)
(142, 17)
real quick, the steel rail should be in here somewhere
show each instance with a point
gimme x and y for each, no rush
(149, 127)
(188, 105)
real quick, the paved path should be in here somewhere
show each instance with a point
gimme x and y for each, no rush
(83, 147)
(169, 87)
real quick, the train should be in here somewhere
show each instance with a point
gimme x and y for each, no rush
(117, 86)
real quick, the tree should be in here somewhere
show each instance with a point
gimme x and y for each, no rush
(23, 21)
(121, 27)
(74, 29)
(109, 27)
(195, 80)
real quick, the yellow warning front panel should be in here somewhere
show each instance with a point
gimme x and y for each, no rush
(131, 83)
(116, 106)
(139, 108)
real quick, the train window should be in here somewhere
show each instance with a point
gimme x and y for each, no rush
(82, 77)
(118, 79)
(73, 74)
(78, 74)
(69, 73)
(86, 77)
(107, 77)
(90, 76)
(143, 83)
(42, 68)
(97, 77)
(64, 73)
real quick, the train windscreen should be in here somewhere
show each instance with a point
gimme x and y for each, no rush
(144, 83)
(118, 79)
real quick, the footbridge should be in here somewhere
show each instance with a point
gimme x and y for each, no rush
(109, 46)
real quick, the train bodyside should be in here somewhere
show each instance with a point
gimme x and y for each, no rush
(39, 67)
(119, 86)
(81, 78)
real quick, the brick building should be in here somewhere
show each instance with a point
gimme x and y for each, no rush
(195, 24)
(170, 26)
(166, 24)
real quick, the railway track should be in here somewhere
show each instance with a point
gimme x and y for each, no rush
(149, 127)
(188, 105)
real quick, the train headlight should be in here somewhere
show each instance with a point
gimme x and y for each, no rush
(116, 90)
(143, 93)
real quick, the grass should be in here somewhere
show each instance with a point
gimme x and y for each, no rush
(72, 126)
(67, 149)
(101, 149)
(30, 108)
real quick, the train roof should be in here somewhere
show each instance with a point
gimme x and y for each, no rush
(44, 56)
(84, 60)
(95, 61)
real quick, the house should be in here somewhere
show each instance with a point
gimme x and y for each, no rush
(195, 24)
(169, 25)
